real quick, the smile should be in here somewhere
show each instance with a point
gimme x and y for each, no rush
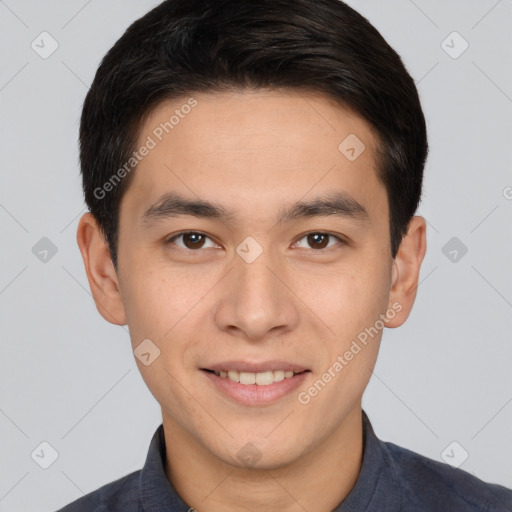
(255, 388)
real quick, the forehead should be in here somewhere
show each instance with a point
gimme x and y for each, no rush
(255, 148)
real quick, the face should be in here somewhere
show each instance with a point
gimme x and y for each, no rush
(282, 265)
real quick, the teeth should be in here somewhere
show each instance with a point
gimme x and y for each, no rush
(278, 375)
(261, 378)
(234, 376)
(247, 378)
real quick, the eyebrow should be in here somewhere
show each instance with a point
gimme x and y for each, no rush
(172, 205)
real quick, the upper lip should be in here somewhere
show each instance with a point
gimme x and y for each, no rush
(245, 366)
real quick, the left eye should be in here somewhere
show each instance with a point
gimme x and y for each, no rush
(318, 240)
(191, 240)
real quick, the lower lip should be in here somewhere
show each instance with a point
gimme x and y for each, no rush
(253, 394)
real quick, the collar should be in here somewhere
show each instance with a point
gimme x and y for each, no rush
(376, 488)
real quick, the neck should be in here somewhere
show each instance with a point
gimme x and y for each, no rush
(320, 480)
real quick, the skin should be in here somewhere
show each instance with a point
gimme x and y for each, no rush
(255, 152)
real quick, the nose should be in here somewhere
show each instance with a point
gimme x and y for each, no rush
(256, 301)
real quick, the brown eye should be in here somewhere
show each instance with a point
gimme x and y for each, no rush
(191, 240)
(318, 241)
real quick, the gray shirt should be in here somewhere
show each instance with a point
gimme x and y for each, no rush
(392, 479)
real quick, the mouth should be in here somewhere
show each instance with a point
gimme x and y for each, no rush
(265, 378)
(255, 384)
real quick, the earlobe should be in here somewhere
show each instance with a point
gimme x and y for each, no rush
(100, 271)
(406, 270)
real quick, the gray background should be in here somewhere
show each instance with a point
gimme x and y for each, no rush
(69, 378)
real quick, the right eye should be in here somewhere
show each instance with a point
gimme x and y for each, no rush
(191, 240)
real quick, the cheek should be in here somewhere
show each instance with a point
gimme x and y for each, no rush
(352, 308)
(156, 300)
(166, 309)
(351, 299)
(161, 309)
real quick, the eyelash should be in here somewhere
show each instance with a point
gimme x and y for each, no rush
(178, 235)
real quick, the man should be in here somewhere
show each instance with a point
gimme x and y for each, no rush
(252, 170)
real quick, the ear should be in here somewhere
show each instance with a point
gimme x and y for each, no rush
(100, 270)
(406, 270)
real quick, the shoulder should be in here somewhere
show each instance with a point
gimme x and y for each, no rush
(118, 496)
(428, 484)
